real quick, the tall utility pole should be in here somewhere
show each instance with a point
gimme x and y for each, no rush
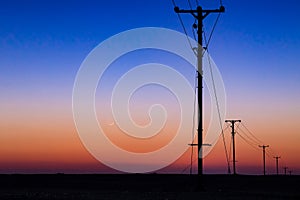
(276, 157)
(199, 15)
(233, 121)
(264, 156)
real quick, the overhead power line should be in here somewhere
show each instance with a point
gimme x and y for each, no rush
(247, 141)
(184, 30)
(211, 33)
(190, 5)
(249, 137)
(258, 140)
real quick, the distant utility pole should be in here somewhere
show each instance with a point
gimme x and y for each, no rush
(285, 168)
(264, 156)
(290, 172)
(199, 14)
(233, 121)
(277, 157)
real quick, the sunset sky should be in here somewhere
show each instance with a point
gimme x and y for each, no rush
(256, 46)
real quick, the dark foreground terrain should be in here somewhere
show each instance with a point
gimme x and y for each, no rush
(147, 186)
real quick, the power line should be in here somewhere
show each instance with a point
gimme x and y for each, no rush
(270, 153)
(193, 160)
(246, 135)
(221, 2)
(264, 151)
(190, 5)
(230, 147)
(254, 143)
(225, 147)
(215, 90)
(193, 29)
(191, 164)
(259, 141)
(215, 94)
(187, 166)
(245, 140)
(212, 31)
(184, 29)
(188, 39)
(218, 108)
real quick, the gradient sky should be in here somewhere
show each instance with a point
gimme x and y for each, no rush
(256, 46)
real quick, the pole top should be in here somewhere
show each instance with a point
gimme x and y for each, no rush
(222, 9)
(233, 120)
(176, 9)
(263, 146)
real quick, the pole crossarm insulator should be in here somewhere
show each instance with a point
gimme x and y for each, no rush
(263, 146)
(233, 120)
(207, 145)
(220, 10)
(200, 10)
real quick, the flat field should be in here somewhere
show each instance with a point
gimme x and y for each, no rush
(147, 186)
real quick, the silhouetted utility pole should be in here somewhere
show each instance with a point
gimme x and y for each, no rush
(285, 168)
(290, 172)
(264, 156)
(199, 15)
(233, 141)
(277, 157)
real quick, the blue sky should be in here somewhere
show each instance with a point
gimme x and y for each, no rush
(252, 37)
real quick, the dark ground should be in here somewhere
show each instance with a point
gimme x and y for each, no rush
(147, 186)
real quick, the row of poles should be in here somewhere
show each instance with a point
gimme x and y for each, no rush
(232, 125)
(200, 14)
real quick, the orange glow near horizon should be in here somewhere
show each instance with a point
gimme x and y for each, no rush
(52, 144)
(43, 138)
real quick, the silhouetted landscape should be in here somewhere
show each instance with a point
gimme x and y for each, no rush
(147, 186)
(143, 86)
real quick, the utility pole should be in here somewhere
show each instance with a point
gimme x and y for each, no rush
(200, 15)
(264, 156)
(290, 172)
(276, 157)
(233, 141)
(285, 168)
